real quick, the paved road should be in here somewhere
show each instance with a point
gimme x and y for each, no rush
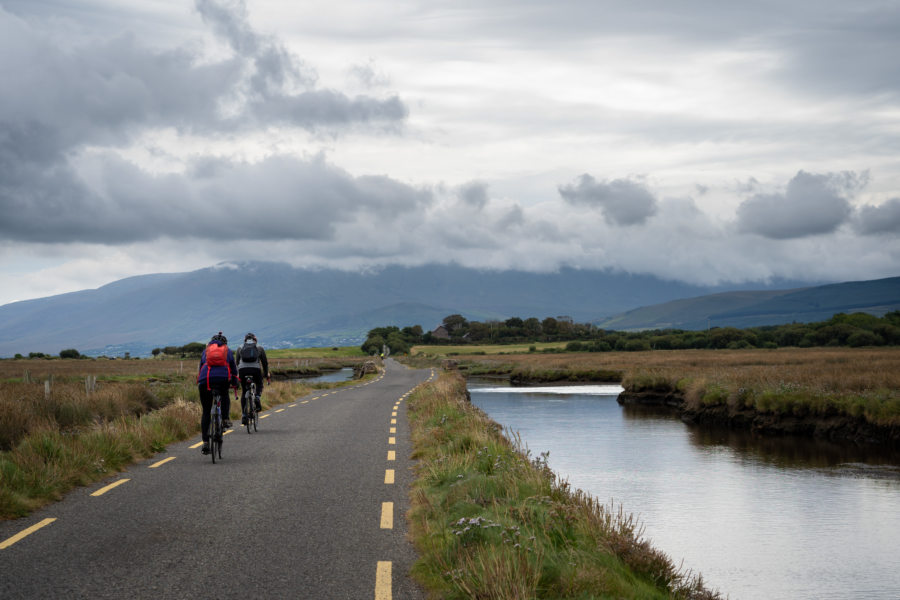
(296, 510)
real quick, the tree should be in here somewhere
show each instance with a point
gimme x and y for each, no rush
(70, 353)
(373, 344)
(455, 324)
(550, 326)
(397, 344)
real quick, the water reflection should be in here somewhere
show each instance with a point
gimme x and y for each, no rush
(760, 517)
(798, 453)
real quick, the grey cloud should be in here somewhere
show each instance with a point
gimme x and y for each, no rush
(622, 201)
(326, 107)
(105, 91)
(474, 194)
(880, 219)
(810, 205)
(276, 199)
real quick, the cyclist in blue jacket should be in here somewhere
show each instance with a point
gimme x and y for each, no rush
(217, 371)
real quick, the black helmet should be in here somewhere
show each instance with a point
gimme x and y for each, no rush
(249, 336)
(219, 338)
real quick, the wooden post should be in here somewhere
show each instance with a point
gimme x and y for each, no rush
(47, 389)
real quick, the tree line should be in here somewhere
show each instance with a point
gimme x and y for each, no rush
(854, 330)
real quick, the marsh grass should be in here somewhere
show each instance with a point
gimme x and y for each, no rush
(857, 382)
(76, 436)
(491, 521)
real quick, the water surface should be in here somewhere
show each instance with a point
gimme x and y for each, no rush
(758, 517)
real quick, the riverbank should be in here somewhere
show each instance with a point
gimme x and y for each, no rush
(850, 395)
(827, 425)
(491, 521)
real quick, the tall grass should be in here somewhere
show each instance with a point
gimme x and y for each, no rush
(75, 436)
(856, 382)
(490, 521)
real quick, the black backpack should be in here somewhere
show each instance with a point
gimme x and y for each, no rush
(249, 353)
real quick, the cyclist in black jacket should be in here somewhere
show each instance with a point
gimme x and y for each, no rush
(252, 361)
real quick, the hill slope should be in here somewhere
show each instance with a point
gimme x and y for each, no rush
(756, 308)
(287, 306)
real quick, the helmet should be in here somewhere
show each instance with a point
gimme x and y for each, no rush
(249, 336)
(219, 338)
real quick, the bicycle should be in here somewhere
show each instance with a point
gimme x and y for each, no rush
(216, 427)
(250, 412)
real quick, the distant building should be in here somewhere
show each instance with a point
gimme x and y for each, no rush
(441, 333)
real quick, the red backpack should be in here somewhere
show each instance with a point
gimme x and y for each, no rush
(217, 355)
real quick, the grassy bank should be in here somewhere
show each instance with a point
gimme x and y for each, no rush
(853, 382)
(492, 522)
(81, 433)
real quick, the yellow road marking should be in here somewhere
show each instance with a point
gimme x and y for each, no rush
(227, 432)
(264, 416)
(392, 440)
(393, 430)
(280, 410)
(25, 533)
(292, 405)
(162, 462)
(389, 476)
(306, 401)
(383, 580)
(392, 455)
(105, 489)
(197, 445)
(393, 421)
(387, 515)
(315, 398)
(394, 414)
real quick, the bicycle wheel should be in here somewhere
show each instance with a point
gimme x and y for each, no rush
(213, 430)
(255, 419)
(246, 415)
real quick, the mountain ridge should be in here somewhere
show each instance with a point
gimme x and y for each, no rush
(289, 306)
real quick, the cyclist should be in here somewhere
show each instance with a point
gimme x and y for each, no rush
(217, 371)
(252, 361)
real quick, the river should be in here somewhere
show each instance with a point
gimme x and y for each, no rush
(759, 518)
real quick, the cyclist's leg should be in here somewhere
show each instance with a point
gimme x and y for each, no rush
(226, 402)
(258, 379)
(206, 404)
(242, 375)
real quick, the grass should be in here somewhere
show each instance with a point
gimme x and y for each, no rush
(856, 382)
(327, 352)
(490, 521)
(468, 349)
(50, 444)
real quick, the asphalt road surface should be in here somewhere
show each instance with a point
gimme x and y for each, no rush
(311, 506)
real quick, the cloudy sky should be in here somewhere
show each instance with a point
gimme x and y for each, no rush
(704, 141)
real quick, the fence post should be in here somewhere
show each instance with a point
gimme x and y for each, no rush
(47, 389)
(27, 377)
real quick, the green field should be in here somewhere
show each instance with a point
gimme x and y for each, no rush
(443, 350)
(328, 352)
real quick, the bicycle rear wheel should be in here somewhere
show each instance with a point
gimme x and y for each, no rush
(213, 431)
(255, 419)
(246, 411)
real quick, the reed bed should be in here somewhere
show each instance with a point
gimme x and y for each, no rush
(492, 522)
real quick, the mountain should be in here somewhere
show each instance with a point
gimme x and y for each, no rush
(287, 306)
(772, 307)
